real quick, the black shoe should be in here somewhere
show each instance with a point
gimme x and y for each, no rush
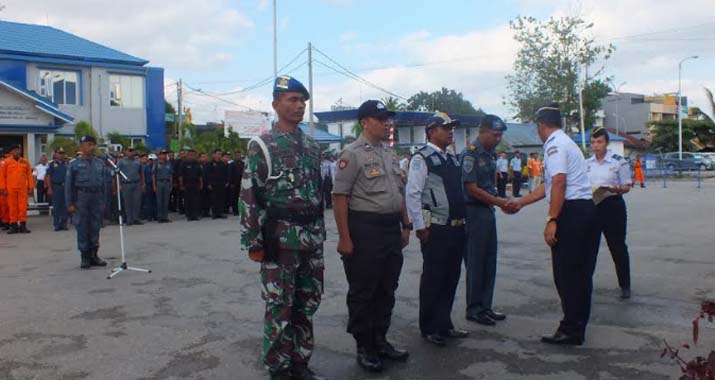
(23, 228)
(58, 229)
(494, 315)
(560, 338)
(387, 351)
(95, 261)
(138, 223)
(436, 339)
(625, 293)
(86, 260)
(13, 229)
(481, 318)
(369, 361)
(64, 228)
(281, 375)
(456, 334)
(302, 372)
(4, 226)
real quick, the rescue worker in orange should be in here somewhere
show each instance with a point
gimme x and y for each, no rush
(638, 171)
(4, 211)
(16, 183)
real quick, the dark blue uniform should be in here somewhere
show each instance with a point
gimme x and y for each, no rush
(148, 197)
(479, 167)
(85, 189)
(57, 172)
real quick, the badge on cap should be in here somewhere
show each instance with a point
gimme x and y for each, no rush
(282, 82)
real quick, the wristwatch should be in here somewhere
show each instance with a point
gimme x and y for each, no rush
(550, 219)
(408, 226)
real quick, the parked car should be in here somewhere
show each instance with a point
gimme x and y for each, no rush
(690, 161)
(709, 158)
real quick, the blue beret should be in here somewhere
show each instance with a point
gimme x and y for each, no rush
(493, 122)
(285, 83)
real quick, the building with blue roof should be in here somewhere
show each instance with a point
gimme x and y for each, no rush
(50, 80)
(410, 127)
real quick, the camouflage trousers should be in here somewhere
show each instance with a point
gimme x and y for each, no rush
(292, 286)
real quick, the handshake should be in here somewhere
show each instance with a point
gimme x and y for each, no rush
(510, 206)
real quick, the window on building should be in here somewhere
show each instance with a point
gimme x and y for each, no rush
(60, 86)
(126, 91)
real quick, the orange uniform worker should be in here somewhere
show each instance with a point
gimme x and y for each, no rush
(4, 210)
(16, 182)
(534, 165)
(638, 171)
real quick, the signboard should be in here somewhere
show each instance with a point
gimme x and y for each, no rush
(13, 114)
(650, 164)
(247, 124)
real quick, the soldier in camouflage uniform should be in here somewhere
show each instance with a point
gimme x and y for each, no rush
(283, 229)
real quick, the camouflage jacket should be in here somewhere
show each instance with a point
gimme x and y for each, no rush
(294, 186)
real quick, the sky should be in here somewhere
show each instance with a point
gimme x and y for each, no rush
(222, 49)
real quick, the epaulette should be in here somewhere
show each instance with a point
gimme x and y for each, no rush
(472, 148)
(617, 157)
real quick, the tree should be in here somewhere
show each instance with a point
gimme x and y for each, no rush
(169, 108)
(665, 134)
(550, 63)
(69, 145)
(394, 104)
(84, 128)
(117, 138)
(445, 100)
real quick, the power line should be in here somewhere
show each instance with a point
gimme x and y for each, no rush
(202, 93)
(672, 30)
(348, 73)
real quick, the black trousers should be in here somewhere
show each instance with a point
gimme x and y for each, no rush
(327, 189)
(41, 192)
(192, 205)
(574, 260)
(218, 199)
(205, 201)
(516, 183)
(502, 179)
(373, 272)
(612, 220)
(441, 267)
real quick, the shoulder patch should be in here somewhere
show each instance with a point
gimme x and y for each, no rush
(342, 164)
(468, 164)
(616, 157)
(552, 150)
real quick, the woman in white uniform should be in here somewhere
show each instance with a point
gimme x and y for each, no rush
(610, 177)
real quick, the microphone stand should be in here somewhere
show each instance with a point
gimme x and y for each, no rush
(123, 267)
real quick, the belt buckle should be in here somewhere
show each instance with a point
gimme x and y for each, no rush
(457, 222)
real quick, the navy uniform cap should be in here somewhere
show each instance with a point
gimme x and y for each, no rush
(374, 108)
(285, 83)
(549, 114)
(441, 119)
(493, 122)
(88, 138)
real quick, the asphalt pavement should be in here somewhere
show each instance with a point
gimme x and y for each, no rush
(198, 315)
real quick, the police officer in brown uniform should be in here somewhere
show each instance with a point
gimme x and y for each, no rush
(371, 217)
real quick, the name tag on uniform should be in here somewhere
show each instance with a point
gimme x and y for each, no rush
(374, 172)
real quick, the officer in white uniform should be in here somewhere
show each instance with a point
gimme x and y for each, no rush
(570, 229)
(610, 174)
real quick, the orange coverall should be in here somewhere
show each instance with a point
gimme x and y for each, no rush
(638, 172)
(16, 179)
(4, 210)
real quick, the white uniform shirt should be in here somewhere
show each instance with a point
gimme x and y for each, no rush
(562, 156)
(416, 180)
(612, 171)
(516, 164)
(502, 165)
(333, 167)
(40, 171)
(325, 169)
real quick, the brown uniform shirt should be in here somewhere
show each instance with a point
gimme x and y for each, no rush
(370, 175)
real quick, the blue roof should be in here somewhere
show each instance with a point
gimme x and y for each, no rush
(45, 41)
(320, 135)
(402, 118)
(611, 137)
(42, 103)
(521, 135)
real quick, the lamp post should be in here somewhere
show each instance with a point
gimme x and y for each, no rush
(680, 119)
(617, 91)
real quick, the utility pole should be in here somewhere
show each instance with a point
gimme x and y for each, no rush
(179, 94)
(580, 106)
(275, 41)
(310, 89)
(680, 105)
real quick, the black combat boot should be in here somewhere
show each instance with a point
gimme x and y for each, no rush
(281, 375)
(4, 226)
(86, 260)
(302, 372)
(13, 229)
(23, 228)
(94, 260)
